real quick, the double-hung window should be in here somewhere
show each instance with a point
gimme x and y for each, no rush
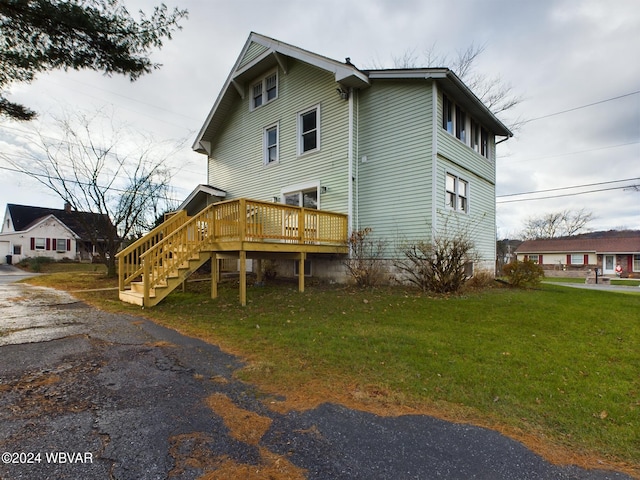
(265, 90)
(457, 193)
(271, 144)
(40, 243)
(61, 245)
(309, 130)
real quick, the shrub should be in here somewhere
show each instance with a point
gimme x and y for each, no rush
(523, 273)
(364, 264)
(34, 264)
(439, 266)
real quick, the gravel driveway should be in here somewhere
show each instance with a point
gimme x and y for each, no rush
(90, 395)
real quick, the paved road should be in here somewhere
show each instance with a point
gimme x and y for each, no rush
(86, 394)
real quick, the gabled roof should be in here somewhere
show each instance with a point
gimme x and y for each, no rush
(613, 241)
(272, 52)
(24, 217)
(261, 53)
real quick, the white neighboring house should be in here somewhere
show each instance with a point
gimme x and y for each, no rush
(43, 232)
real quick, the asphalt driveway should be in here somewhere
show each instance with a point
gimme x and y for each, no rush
(91, 395)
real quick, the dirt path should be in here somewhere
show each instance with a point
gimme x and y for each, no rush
(87, 394)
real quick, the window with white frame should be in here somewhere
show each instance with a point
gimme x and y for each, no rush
(17, 249)
(457, 193)
(40, 243)
(265, 90)
(271, 150)
(577, 259)
(469, 131)
(461, 125)
(61, 245)
(636, 263)
(309, 130)
(447, 114)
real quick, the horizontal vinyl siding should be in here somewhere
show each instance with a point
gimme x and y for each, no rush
(394, 185)
(459, 159)
(479, 223)
(236, 163)
(254, 51)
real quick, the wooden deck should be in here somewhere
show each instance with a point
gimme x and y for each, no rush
(152, 267)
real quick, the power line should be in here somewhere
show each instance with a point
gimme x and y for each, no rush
(580, 107)
(570, 153)
(568, 194)
(566, 188)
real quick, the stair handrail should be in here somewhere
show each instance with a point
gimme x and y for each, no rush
(128, 271)
(159, 261)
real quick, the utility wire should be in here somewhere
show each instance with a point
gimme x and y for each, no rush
(566, 188)
(568, 194)
(580, 107)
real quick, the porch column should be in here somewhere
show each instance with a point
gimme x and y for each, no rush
(303, 257)
(214, 275)
(243, 278)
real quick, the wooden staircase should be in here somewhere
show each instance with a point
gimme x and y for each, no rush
(136, 295)
(155, 265)
(162, 260)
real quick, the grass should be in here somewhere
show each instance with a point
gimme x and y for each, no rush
(614, 281)
(554, 365)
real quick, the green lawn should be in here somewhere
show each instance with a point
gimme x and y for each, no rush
(558, 363)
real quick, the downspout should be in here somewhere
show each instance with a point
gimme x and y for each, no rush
(350, 210)
(434, 157)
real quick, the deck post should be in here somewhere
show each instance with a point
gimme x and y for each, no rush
(243, 278)
(258, 270)
(146, 274)
(214, 275)
(303, 257)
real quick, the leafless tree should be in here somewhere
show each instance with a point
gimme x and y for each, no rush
(497, 95)
(114, 172)
(556, 224)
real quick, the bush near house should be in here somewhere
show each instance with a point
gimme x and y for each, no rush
(524, 273)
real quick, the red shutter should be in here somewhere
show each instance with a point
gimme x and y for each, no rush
(586, 259)
(33, 243)
(48, 243)
(68, 244)
(568, 259)
(540, 260)
(630, 263)
(526, 257)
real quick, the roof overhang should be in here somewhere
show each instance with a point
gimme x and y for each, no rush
(276, 53)
(200, 195)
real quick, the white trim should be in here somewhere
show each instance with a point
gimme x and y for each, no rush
(301, 187)
(262, 81)
(265, 144)
(318, 130)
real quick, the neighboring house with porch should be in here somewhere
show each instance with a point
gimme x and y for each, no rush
(409, 153)
(29, 231)
(581, 254)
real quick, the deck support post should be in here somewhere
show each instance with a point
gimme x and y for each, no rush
(258, 270)
(303, 257)
(214, 275)
(243, 278)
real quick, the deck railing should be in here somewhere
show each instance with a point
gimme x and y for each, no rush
(129, 259)
(221, 226)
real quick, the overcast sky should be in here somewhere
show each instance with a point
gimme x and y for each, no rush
(575, 63)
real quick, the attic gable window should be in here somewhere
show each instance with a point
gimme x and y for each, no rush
(264, 90)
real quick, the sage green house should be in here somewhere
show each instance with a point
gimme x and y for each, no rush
(409, 153)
